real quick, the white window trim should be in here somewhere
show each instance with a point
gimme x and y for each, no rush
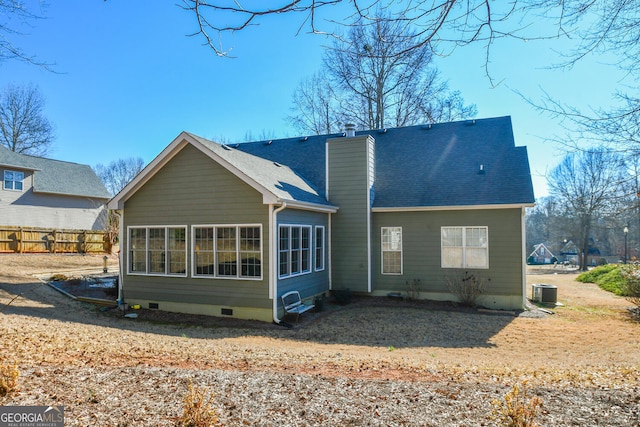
(289, 251)
(315, 248)
(382, 251)
(166, 249)
(215, 275)
(13, 185)
(464, 247)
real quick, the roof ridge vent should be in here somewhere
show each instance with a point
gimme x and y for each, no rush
(226, 147)
(269, 142)
(277, 164)
(471, 122)
(303, 138)
(427, 127)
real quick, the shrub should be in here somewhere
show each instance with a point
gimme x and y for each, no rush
(611, 281)
(413, 289)
(630, 287)
(592, 275)
(467, 287)
(197, 409)
(8, 378)
(608, 277)
(516, 409)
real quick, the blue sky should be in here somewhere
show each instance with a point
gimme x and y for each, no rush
(128, 80)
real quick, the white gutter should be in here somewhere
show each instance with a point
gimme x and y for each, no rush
(273, 276)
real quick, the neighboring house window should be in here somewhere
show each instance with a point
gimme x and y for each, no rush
(158, 251)
(13, 180)
(217, 251)
(465, 247)
(319, 245)
(294, 250)
(391, 250)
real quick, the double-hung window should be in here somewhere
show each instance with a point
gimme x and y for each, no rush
(465, 247)
(158, 251)
(227, 251)
(294, 250)
(13, 180)
(319, 247)
(391, 238)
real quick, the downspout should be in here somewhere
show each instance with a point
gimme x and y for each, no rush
(274, 259)
(523, 255)
(120, 255)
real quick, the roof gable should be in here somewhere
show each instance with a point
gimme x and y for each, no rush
(56, 176)
(277, 182)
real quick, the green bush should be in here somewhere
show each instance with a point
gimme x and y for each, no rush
(591, 276)
(630, 287)
(611, 281)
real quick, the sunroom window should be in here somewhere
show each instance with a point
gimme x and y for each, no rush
(158, 251)
(227, 251)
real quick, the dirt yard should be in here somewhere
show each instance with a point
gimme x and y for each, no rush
(375, 362)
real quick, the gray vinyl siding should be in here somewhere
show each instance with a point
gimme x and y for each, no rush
(348, 188)
(27, 208)
(422, 253)
(315, 282)
(191, 189)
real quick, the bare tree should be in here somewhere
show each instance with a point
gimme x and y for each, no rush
(14, 17)
(366, 81)
(446, 23)
(314, 109)
(115, 177)
(117, 174)
(23, 126)
(590, 186)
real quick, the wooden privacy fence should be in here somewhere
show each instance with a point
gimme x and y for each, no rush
(43, 240)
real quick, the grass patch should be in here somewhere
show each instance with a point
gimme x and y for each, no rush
(607, 277)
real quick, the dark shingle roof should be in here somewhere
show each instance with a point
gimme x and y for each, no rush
(426, 166)
(55, 176)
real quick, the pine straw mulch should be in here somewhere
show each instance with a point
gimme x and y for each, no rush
(375, 362)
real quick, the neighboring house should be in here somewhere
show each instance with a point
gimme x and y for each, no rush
(541, 255)
(45, 193)
(570, 253)
(226, 230)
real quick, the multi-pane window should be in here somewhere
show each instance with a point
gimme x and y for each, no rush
(294, 250)
(158, 251)
(319, 247)
(465, 247)
(250, 250)
(218, 249)
(13, 180)
(391, 238)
